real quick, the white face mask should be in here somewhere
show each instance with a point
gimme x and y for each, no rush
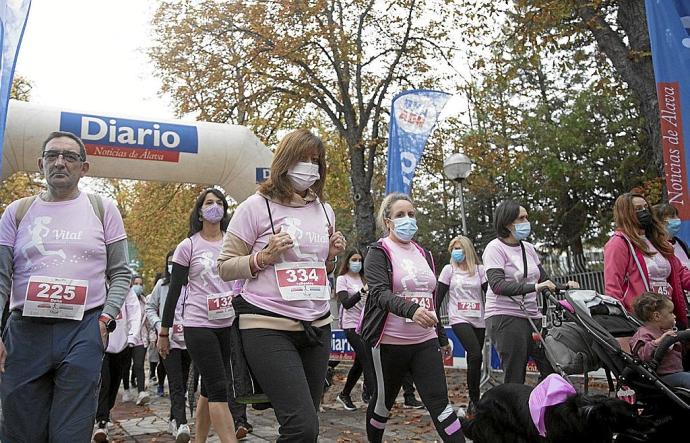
(303, 175)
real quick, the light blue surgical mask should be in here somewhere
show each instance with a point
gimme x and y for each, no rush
(355, 266)
(170, 268)
(405, 228)
(522, 230)
(673, 226)
(457, 255)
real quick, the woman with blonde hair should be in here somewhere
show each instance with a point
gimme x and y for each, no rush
(282, 243)
(465, 280)
(639, 257)
(400, 322)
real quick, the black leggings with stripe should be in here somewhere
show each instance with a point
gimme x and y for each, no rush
(425, 363)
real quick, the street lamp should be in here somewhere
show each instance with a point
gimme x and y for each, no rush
(457, 168)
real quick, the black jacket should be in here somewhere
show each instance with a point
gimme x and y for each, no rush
(381, 300)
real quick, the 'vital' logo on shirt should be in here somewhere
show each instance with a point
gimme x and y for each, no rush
(132, 139)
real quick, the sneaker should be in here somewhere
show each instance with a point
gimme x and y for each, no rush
(183, 435)
(413, 403)
(143, 398)
(241, 431)
(365, 396)
(346, 401)
(172, 427)
(161, 391)
(100, 435)
(330, 372)
(126, 396)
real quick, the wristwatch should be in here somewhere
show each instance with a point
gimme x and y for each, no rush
(110, 324)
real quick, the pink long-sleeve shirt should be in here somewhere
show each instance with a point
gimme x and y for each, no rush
(623, 280)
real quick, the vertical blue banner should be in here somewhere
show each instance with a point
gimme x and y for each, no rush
(669, 33)
(13, 15)
(413, 116)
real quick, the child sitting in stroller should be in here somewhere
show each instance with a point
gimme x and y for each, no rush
(656, 312)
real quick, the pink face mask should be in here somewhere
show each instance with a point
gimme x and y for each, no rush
(213, 213)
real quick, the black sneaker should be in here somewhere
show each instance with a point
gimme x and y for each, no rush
(346, 401)
(330, 372)
(413, 403)
(365, 396)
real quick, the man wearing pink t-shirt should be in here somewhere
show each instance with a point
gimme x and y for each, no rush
(57, 250)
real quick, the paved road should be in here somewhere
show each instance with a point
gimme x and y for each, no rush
(149, 424)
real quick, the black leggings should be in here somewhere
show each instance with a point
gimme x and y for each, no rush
(177, 366)
(210, 351)
(138, 357)
(472, 340)
(291, 372)
(362, 364)
(111, 374)
(425, 363)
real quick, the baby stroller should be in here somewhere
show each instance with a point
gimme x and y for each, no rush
(600, 320)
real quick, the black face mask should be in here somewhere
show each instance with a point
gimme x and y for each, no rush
(644, 218)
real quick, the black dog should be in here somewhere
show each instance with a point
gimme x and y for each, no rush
(503, 416)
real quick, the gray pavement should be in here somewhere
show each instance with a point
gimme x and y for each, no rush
(149, 423)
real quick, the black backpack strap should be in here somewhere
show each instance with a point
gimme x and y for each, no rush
(325, 212)
(270, 216)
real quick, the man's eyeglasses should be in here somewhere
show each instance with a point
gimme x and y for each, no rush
(68, 156)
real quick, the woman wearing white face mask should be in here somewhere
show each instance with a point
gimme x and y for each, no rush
(465, 280)
(401, 325)
(351, 290)
(282, 242)
(515, 278)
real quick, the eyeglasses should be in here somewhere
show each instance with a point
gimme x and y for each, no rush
(68, 156)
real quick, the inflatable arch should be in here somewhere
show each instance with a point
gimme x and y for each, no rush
(122, 147)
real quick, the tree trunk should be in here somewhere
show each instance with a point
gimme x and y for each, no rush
(365, 221)
(633, 62)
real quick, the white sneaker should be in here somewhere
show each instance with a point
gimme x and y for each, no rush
(183, 435)
(172, 427)
(100, 435)
(143, 398)
(126, 396)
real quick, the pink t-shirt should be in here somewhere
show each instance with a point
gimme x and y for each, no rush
(200, 256)
(499, 255)
(349, 318)
(465, 304)
(128, 323)
(309, 228)
(61, 240)
(658, 270)
(176, 332)
(412, 277)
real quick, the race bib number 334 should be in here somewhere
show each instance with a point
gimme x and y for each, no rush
(302, 281)
(55, 297)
